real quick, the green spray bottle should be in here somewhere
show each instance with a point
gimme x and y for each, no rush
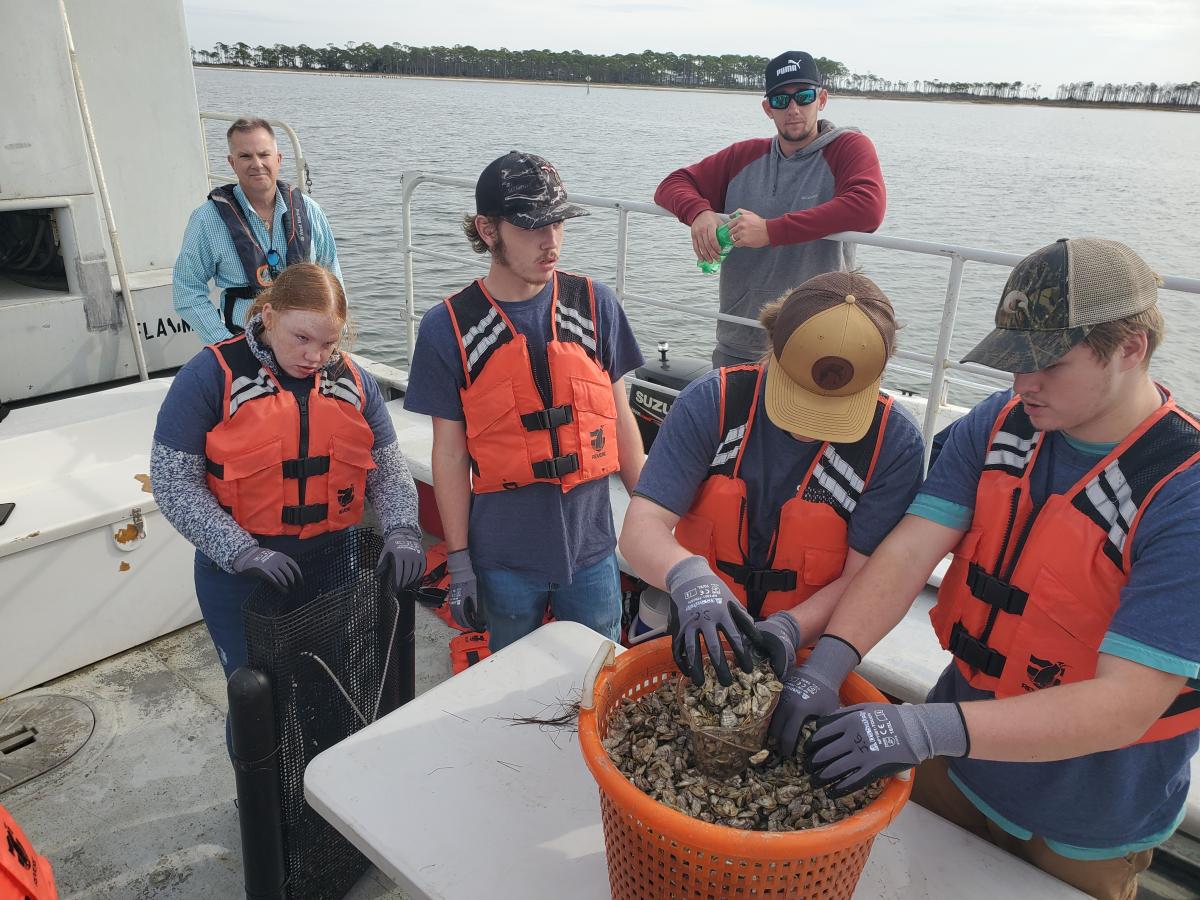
(712, 267)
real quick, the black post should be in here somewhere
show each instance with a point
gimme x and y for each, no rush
(256, 769)
(406, 647)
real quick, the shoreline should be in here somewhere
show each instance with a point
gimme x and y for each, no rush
(909, 97)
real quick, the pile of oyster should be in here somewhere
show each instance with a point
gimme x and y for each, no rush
(649, 741)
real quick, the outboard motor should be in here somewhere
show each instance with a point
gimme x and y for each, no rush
(650, 407)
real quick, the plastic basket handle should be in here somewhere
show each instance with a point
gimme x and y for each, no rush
(606, 656)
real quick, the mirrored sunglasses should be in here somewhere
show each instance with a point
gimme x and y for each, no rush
(803, 98)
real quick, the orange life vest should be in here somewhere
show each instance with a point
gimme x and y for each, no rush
(280, 465)
(1031, 590)
(808, 548)
(520, 432)
(468, 649)
(24, 874)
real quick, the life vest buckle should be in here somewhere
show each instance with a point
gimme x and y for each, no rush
(305, 467)
(759, 580)
(994, 592)
(975, 653)
(556, 467)
(546, 419)
(308, 514)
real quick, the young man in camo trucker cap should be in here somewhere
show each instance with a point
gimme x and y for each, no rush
(1064, 727)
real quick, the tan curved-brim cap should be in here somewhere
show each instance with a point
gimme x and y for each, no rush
(830, 343)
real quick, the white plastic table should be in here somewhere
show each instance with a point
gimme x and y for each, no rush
(452, 800)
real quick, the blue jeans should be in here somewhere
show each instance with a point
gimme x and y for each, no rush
(222, 596)
(515, 604)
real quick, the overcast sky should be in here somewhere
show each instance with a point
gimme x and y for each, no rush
(1035, 41)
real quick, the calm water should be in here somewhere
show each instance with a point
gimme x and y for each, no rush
(1000, 177)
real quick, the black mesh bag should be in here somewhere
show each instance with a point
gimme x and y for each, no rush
(341, 624)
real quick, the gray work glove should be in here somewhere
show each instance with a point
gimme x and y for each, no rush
(858, 744)
(271, 566)
(463, 596)
(402, 559)
(811, 691)
(702, 606)
(777, 638)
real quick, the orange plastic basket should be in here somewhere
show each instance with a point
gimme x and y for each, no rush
(656, 852)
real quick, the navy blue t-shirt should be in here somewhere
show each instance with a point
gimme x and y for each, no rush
(773, 465)
(538, 529)
(1120, 800)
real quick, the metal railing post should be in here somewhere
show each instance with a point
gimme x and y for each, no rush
(937, 381)
(622, 251)
(408, 185)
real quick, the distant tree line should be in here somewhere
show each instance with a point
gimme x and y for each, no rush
(651, 68)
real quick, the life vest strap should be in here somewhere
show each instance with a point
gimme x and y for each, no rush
(547, 419)
(229, 299)
(759, 580)
(308, 514)
(975, 653)
(1185, 702)
(994, 592)
(306, 467)
(216, 470)
(557, 466)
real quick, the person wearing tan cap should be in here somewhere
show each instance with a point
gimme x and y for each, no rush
(778, 479)
(1064, 727)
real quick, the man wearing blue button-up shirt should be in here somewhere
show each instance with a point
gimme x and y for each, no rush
(252, 220)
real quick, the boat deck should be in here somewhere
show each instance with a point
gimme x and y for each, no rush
(146, 807)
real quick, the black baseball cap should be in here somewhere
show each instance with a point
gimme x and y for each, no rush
(524, 190)
(792, 67)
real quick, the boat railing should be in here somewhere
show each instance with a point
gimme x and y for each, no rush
(938, 368)
(302, 176)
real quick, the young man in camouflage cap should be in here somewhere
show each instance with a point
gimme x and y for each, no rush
(521, 372)
(1064, 728)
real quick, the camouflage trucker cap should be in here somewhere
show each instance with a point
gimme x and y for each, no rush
(1054, 297)
(524, 190)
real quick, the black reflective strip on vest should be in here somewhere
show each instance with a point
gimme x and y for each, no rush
(1165, 446)
(974, 652)
(740, 396)
(834, 487)
(308, 514)
(481, 329)
(573, 317)
(472, 657)
(1010, 450)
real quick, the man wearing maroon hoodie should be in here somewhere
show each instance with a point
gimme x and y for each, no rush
(810, 180)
